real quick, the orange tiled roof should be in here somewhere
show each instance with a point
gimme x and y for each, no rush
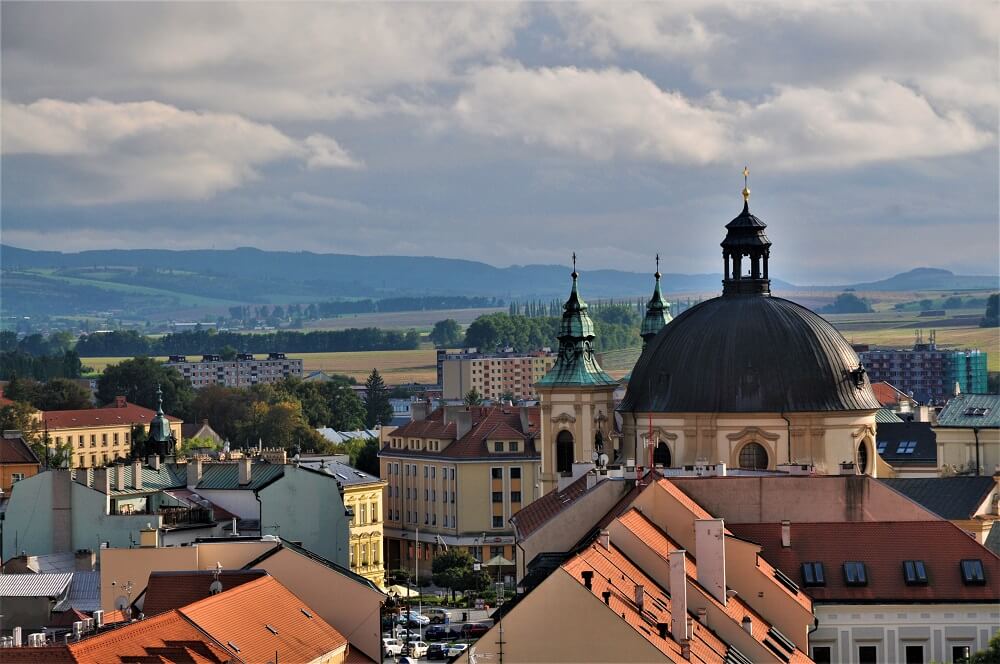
(168, 637)
(173, 590)
(889, 395)
(260, 618)
(488, 423)
(736, 608)
(130, 413)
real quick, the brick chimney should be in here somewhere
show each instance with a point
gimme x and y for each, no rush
(137, 474)
(120, 401)
(245, 470)
(678, 595)
(710, 548)
(193, 472)
(786, 534)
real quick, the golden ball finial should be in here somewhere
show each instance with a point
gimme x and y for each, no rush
(746, 186)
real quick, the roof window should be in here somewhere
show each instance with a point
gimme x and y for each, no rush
(855, 574)
(972, 573)
(976, 412)
(914, 572)
(813, 575)
(906, 447)
(880, 448)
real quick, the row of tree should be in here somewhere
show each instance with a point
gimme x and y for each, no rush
(130, 342)
(615, 327)
(330, 309)
(66, 364)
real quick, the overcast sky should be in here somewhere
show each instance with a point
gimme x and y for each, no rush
(509, 133)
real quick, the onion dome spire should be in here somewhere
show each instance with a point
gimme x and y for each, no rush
(745, 237)
(159, 426)
(576, 363)
(657, 311)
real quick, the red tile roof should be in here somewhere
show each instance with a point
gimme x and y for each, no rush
(44, 655)
(169, 637)
(95, 417)
(488, 423)
(173, 590)
(15, 450)
(615, 573)
(536, 514)
(261, 618)
(882, 546)
(890, 395)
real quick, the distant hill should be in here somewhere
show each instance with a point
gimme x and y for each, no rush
(151, 282)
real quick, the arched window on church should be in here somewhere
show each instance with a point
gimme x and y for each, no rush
(564, 453)
(753, 456)
(661, 455)
(862, 457)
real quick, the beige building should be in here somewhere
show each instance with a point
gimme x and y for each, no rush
(968, 435)
(97, 436)
(494, 375)
(363, 498)
(454, 478)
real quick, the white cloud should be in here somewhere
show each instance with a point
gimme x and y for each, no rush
(610, 113)
(149, 150)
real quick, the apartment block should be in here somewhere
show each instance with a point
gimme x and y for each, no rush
(454, 478)
(925, 372)
(245, 371)
(492, 375)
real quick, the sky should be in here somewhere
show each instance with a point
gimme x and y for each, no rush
(509, 133)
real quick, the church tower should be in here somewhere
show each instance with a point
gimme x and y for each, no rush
(576, 398)
(657, 311)
(160, 439)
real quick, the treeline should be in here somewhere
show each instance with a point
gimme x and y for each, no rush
(615, 327)
(127, 343)
(317, 310)
(38, 357)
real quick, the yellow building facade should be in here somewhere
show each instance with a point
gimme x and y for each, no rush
(364, 499)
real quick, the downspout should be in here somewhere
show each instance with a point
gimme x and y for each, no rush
(260, 512)
(788, 436)
(975, 432)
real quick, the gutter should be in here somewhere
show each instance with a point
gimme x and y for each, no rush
(788, 436)
(975, 432)
(260, 512)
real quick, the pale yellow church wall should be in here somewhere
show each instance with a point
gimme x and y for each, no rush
(957, 447)
(577, 411)
(552, 623)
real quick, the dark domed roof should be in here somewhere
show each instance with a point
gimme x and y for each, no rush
(748, 353)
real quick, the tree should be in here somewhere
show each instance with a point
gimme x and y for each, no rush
(137, 380)
(378, 409)
(926, 304)
(347, 411)
(989, 656)
(62, 394)
(24, 390)
(508, 396)
(446, 333)
(452, 570)
(367, 458)
(189, 445)
(473, 398)
(847, 303)
(228, 353)
(20, 416)
(992, 317)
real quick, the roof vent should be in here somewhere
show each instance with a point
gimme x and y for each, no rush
(588, 578)
(232, 645)
(306, 613)
(748, 624)
(272, 629)
(607, 597)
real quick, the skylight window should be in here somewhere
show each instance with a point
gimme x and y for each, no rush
(813, 575)
(972, 573)
(880, 448)
(855, 574)
(976, 412)
(914, 572)
(906, 447)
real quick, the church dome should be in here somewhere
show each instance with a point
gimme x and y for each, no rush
(748, 351)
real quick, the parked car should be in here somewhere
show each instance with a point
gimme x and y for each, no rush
(456, 649)
(437, 633)
(437, 651)
(416, 649)
(392, 647)
(474, 630)
(438, 615)
(413, 618)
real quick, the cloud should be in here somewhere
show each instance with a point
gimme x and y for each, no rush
(149, 150)
(611, 113)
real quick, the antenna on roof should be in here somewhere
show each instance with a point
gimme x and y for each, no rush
(216, 586)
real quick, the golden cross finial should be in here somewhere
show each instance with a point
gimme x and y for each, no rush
(746, 185)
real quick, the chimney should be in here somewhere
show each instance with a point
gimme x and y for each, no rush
(710, 548)
(235, 532)
(463, 423)
(16, 635)
(98, 619)
(588, 578)
(605, 539)
(591, 480)
(786, 534)
(678, 595)
(747, 625)
(607, 597)
(640, 596)
(153, 461)
(137, 474)
(245, 467)
(193, 472)
(120, 402)
(102, 482)
(419, 410)
(77, 630)
(525, 420)
(149, 537)
(119, 477)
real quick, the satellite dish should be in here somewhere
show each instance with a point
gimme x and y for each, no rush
(121, 603)
(216, 587)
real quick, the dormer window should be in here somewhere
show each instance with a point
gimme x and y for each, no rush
(813, 575)
(855, 574)
(973, 573)
(513, 446)
(914, 572)
(498, 446)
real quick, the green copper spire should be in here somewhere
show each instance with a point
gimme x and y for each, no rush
(576, 364)
(159, 427)
(657, 311)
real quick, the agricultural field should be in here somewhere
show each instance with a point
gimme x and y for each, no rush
(422, 321)
(396, 366)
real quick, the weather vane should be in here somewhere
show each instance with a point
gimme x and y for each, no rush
(746, 185)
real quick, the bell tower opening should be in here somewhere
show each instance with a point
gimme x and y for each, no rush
(661, 455)
(745, 237)
(564, 453)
